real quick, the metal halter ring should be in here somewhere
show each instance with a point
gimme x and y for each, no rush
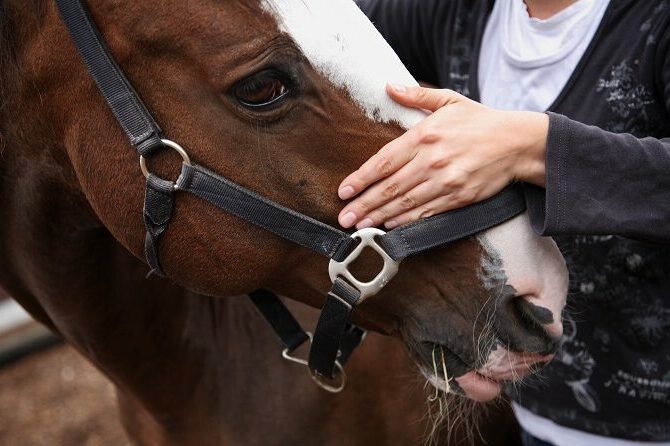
(389, 270)
(317, 379)
(172, 145)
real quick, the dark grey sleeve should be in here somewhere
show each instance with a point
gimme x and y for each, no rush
(409, 27)
(600, 182)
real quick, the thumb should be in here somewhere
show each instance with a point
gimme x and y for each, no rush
(430, 99)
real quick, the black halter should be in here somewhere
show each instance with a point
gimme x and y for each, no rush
(334, 338)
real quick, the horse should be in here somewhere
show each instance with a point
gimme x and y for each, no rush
(285, 97)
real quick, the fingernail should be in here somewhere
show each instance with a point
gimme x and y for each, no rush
(346, 192)
(348, 220)
(391, 224)
(367, 223)
(398, 88)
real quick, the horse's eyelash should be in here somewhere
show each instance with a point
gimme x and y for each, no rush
(251, 85)
(259, 81)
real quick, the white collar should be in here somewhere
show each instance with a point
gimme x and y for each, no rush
(529, 42)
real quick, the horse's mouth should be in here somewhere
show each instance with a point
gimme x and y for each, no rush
(448, 372)
(479, 381)
(479, 387)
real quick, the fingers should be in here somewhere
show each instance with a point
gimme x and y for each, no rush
(426, 199)
(426, 98)
(404, 203)
(442, 203)
(445, 200)
(384, 163)
(359, 212)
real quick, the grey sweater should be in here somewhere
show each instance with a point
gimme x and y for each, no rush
(606, 202)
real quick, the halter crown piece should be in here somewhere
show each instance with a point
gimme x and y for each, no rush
(335, 337)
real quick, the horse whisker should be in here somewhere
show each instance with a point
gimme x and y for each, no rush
(447, 386)
(437, 390)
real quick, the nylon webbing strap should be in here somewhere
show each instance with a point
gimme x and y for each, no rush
(291, 334)
(158, 208)
(129, 110)
(285, 326)
(331, 328)
(333, 243)
(454, 225)
(250, 206)
(352, 338)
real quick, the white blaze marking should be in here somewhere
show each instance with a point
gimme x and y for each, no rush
(345, 47)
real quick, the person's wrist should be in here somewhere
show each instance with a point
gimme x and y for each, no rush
(532, 130)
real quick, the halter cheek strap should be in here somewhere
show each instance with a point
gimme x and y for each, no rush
(138, 124)
(335, 337)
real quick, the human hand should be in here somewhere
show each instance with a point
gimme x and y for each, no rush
(462, 153)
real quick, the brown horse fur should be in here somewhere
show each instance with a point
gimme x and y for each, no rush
(191, 366)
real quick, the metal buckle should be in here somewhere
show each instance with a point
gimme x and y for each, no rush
(389, 270)
(172, 145)
(317, 379)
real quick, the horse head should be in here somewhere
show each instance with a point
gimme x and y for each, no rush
(286, 97)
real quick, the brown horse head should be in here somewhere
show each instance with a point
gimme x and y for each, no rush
(284, 97)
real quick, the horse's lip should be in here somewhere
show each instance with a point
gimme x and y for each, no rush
(479, 387)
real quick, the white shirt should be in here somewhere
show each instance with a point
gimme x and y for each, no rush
(547, 430)
(524, 62)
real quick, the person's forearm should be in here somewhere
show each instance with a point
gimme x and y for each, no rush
(598, 182)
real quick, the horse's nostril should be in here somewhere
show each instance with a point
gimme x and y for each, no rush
(523, 326)
(531, 313)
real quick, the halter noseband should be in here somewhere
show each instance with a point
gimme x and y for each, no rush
(335, 337)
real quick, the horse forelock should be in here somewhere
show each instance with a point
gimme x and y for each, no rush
(345, 47)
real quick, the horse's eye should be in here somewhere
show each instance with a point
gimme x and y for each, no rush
(261, 90)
